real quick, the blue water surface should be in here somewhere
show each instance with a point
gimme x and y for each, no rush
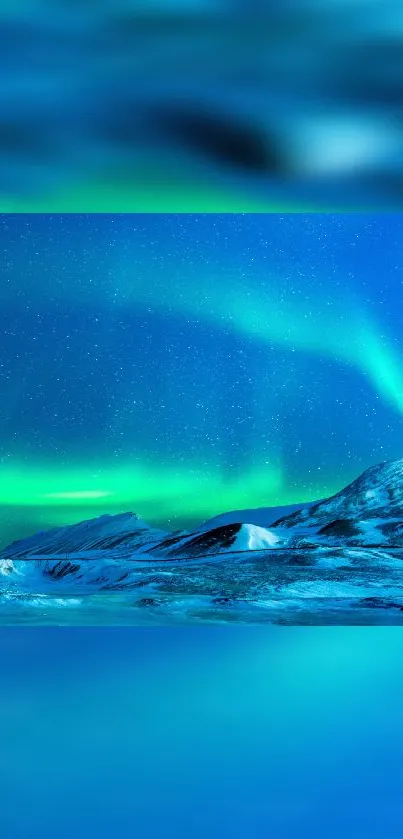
(223, 732)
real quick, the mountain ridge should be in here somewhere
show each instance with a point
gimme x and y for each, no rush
(368, 511)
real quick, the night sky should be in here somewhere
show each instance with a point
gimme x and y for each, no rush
(183, 365)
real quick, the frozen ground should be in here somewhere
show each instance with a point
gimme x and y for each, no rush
(325, 586)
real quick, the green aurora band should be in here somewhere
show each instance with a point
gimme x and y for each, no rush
(156, 493)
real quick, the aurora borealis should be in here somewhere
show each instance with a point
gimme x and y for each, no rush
(182, 365)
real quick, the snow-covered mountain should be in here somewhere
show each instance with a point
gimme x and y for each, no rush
(106, 552)
(227, 538)
(369, 511)
(262, 516)
(124, 532)
(96, 553)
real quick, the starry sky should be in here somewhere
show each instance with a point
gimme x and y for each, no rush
(183, 365)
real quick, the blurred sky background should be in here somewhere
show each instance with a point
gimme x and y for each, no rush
(203, 105)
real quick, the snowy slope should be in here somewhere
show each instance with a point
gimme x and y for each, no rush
(227, 538)
(97, 567)
(369, 511)
(262, 516)
(37, 575)
(107, 533)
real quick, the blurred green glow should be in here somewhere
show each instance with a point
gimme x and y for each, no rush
(154, 196)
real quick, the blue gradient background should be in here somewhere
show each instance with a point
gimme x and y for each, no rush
(220, 732)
